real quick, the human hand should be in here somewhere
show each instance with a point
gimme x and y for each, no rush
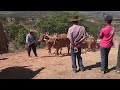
(75, 49)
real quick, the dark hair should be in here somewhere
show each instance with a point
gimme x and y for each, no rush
(75, 22)
(109, 19)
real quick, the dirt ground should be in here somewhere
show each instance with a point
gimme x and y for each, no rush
(45, 66)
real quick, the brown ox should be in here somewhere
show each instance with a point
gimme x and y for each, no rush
(49, 40)
(97, 44)
(61, 41)
(89, 44)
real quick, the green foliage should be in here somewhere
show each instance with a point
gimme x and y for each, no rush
(93, 28)
(18, 19)
(57, 23)
(60, 22)
(11, 30)
(21, 36)
(17, 33)
(2, 18)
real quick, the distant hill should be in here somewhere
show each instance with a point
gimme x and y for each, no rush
(26, 13)
(96, 14)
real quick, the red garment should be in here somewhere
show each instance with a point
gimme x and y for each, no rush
(107, 34)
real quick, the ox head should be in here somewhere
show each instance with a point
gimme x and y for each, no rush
(43, 37)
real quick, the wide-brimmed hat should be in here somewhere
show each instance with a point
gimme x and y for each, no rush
(74, 18)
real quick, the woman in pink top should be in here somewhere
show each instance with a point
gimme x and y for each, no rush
(106, 36)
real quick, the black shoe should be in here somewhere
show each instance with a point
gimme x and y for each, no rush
(83, 69)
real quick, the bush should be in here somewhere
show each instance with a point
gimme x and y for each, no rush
(21, 36)
(60, 22)
(17, 33)
(57, 23)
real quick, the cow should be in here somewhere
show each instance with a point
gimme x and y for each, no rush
(48, 40)
(89, 44)
(57, 41)
(61, 41)
(97, 44)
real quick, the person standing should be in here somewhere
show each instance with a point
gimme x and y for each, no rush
(106, 42)
(31, 42)
(76, 35)
(118, 56)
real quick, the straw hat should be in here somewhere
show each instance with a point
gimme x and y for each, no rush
(31, 30)
(74, 18)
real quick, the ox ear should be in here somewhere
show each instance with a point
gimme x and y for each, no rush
(46, 37)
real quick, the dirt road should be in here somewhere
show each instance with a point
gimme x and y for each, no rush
(45, 66)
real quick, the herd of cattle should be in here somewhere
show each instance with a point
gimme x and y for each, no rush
(58, 41)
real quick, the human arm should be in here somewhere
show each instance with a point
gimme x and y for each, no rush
(27, 39)
(85, 35)
(101, 34)
(69, 36)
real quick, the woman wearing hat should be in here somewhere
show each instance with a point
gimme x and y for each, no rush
(76, 34)
(31, 42)
(106, 42)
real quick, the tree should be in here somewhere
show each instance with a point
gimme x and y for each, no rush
(57, 23)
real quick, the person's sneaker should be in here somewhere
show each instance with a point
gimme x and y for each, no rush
(103, 72)
(118, 71)
(82, 69)
(74, 71)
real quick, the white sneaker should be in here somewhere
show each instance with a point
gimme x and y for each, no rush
(118, 71)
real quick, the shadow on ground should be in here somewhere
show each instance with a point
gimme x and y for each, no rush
(18, 73)
(60, 55)
(113, 68)
(3, 58)
(98, 64)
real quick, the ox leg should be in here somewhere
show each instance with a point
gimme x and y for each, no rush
(49, 51)
(60, 50)
(68, 50)
(57, 51)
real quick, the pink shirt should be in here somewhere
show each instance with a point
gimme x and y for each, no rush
(107, 34)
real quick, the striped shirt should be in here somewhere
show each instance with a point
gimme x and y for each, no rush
(76, 33)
